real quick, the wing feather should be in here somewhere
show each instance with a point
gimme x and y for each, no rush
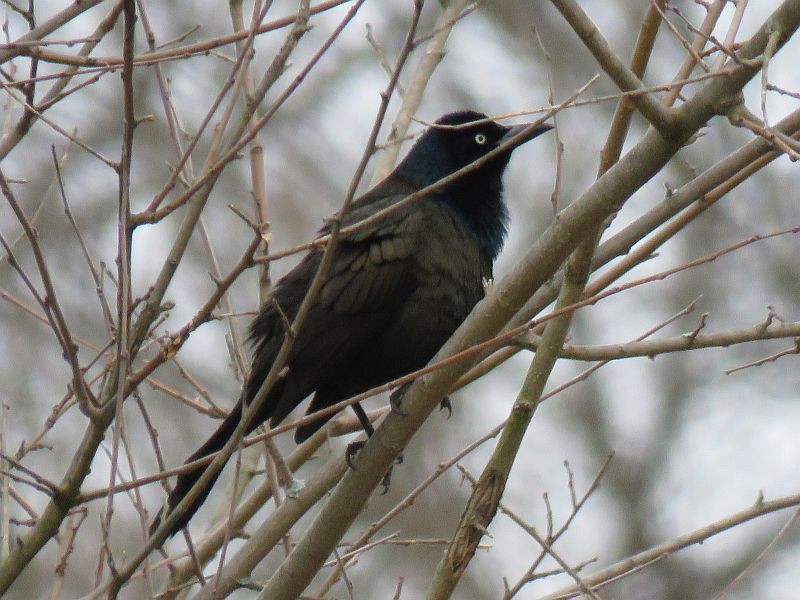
(369, 282)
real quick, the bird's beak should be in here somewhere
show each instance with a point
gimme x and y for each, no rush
(523, 133)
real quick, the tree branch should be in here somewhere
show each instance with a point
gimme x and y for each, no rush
(540, 262)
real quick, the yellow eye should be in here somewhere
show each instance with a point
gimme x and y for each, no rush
(480, 139)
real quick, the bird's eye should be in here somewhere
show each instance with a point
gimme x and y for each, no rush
(480, 139)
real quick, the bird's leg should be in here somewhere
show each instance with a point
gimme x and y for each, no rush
(363, 419)
(445, 404)
(354, 447)
(366, 424)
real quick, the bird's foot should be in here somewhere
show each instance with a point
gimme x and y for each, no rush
(387, 480)
(445, 404)
(396, 398)
(353, 448)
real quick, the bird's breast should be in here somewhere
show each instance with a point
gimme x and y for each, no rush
(450, 273)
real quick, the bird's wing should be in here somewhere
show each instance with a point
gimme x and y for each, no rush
(370, 279)
(372, 269)
(368, 274)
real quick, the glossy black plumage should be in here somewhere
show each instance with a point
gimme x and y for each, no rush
(396, 290)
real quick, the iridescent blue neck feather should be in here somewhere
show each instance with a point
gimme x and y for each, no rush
(477, 197)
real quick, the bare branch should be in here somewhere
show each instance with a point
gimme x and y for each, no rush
(648, 557)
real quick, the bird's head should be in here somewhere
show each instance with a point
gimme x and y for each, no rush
(460, 138)
(453, 142)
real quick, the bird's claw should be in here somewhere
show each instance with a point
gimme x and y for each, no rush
(387, 479)
(353, 448)
(395, 400)
(445, 404)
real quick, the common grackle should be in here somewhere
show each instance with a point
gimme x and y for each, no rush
(395, 291)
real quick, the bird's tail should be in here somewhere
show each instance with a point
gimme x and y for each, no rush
(186, 480)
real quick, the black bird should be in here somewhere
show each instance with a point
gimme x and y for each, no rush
(396, 289)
